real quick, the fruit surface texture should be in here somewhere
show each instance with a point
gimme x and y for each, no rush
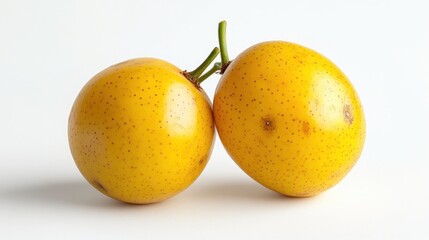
(289, 118)
(140, 132)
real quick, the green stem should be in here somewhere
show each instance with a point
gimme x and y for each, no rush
(222, 42)
(200, 69)
(216, 67)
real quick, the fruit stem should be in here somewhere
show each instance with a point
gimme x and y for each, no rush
(194, 75)
(216, 67)
(222, 42)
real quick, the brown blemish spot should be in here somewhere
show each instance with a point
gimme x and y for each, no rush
(348, 114)
(201, 160)
(99, 186)
(268, 123)
(306, 128)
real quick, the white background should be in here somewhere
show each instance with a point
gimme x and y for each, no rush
(49, 49)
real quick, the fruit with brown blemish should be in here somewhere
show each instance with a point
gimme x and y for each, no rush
(289, 117)
(142, 131)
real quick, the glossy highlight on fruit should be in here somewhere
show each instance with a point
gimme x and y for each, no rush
(141, 132)
(289, 118)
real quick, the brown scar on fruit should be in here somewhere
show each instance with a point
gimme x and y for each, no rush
(348, 114)
(268, 123)
(201, 160)
(99, 186)
(306, 128)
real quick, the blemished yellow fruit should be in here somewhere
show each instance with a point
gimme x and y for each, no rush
(289, 118)
(140, 132)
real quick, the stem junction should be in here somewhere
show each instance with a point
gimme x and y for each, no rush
(195, 75)
(222, 45)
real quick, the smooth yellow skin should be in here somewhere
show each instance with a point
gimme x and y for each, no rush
(289, 118)
(140, 132)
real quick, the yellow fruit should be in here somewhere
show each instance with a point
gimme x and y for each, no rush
(289, 118)
(141, 132)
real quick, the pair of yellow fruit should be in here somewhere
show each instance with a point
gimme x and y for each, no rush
(143, 130)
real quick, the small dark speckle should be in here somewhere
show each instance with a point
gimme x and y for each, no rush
(348, 114)
(268, 123)
(201, 160)
(99, 186)
(306, 128)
